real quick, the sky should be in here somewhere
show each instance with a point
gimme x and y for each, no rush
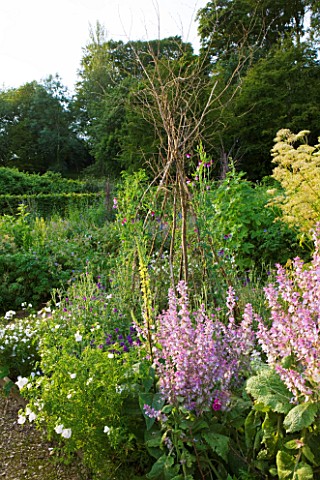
(39, 38)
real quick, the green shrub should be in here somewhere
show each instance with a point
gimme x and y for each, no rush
(14, 182)
(85, 394)
(244, 232)
(25, 277)
(48, 204)
(38, 255)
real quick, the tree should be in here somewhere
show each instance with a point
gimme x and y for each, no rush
(118, 134)
(279, 91)
(38, 129)
(228, 28)
(277, 86)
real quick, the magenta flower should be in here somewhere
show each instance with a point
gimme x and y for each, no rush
(216, 405)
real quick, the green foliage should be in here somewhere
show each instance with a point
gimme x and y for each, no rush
(84, 394)
(38, 129)
(268, 390)
(300, 417)
(25, 277)
(238, 237)
(230, 27)
(289, 468)
(189, 446)
(271, 94)
(47, 205)
(14, 182)
(282, 435)
(274, 94)
(113, 112)
(38, 255)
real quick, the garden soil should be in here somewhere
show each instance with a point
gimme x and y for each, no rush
(25, 454)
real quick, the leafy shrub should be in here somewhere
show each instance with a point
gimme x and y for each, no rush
(38, 255)
(14, 182)
(84, 395)
(243, 231)
(19, 343)
(25, 277)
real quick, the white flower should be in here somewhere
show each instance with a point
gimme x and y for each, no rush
(9, 314)
(22, 381)
(89, 381)
(69, 396)
(21, 419)
(78, 336)
(110, 355)
(66, 433)
(59, 428)
(32, 416)
(106, 430)
(72, 375)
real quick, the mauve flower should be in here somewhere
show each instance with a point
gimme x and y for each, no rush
(199, 358)
(293, 334)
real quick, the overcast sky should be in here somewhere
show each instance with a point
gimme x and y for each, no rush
(43, 37)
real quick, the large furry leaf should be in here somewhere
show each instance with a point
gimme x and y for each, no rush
(301, 416)
(267, 389)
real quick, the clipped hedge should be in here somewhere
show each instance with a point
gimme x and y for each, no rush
(46, 205)
(14, 182)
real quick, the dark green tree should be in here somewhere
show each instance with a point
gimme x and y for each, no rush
(279, 91)
(38, 129)
(276, 86)
(228, 28)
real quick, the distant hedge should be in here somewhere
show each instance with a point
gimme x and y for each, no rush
(14, 182)
(46, 205)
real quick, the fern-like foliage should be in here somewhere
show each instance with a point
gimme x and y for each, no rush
(298, 172)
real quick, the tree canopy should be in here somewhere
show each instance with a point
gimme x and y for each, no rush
(38, 131)
(257, 72)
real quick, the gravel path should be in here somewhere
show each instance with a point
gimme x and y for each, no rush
(24, 453)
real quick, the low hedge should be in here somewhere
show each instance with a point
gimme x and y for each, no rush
(46, 205)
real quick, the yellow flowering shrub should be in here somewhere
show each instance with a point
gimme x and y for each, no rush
(298, 171)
